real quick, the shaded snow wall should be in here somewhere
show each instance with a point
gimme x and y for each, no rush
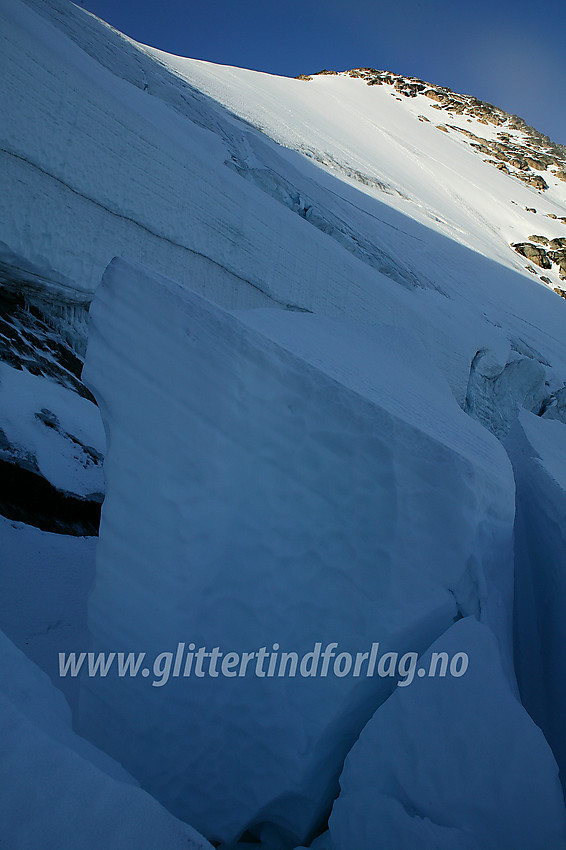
(258, 495)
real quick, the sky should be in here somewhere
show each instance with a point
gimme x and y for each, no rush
(510, 54)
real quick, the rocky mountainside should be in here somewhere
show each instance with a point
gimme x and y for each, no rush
(518, 150)
(323, 401)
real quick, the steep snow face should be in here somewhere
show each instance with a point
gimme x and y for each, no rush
(58, 790)
(328, 195)
(44, 585)
(390, 146)
(431, 768)
(274, 477)
(537, 448)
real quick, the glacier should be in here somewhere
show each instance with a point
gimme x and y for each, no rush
(537, 450)
(432, 767)
(273, 475)
(59, 792)
(333, 397)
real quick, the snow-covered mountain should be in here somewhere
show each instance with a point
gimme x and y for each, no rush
(327, 378)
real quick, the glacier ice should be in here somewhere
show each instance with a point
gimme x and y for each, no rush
(496, 393)
(273, 476)
(537, 448)
(58, 791)
(258, 191)
(142, 173)
(451, 764)
(45, 579)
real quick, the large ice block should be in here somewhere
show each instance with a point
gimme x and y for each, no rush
(452, 763)
(273, 478)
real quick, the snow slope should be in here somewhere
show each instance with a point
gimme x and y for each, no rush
(58, 791)
(144, 164)
(44, 584)
(364, 199)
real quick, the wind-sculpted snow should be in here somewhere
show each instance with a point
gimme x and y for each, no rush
(274, 477)
(340, 208)
(451, 764)
(59, 792)
(537, 448)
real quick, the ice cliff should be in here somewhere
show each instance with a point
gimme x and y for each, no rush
(260, 491)
(331, 367)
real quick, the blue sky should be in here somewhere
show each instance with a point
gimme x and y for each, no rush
(511, 54)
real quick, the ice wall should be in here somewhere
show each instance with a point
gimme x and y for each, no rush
(537, 448)
(451, 764)
(280, 478)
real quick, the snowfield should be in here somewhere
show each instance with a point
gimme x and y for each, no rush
(330, 397)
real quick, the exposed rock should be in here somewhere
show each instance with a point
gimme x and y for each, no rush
(537, 181)
(303, 77)
(533, 151)
(26, 496)
(436, 95)
(537, 164)
(536, 255)
(541, 239)
(560, 242)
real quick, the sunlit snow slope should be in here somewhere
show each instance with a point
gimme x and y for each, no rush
(329, 195)
(427, 233)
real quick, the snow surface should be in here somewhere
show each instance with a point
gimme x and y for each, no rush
(260, 493)
(144, 164)
(44, 584)
(537, 448)
(52, 429)
(58, 791)
(330, 197)
(451, 763)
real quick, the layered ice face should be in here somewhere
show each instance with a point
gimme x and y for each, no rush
(274, 478)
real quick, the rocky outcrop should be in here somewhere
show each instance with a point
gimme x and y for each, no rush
(520, 156)
(554, 254)
(536, 255)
